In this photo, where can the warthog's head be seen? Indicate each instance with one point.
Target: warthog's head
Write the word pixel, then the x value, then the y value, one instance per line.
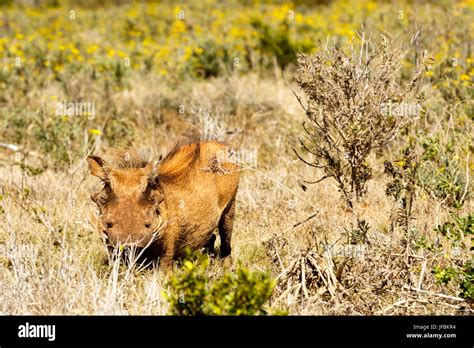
pixel 128 203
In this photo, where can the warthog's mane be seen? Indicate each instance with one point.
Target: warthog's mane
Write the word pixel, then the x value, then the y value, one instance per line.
pixel 129 160
pixel 179 161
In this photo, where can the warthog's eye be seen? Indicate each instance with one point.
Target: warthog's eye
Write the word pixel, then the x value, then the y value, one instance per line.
pixel 147 225
pixel 151 185
pixel 109 224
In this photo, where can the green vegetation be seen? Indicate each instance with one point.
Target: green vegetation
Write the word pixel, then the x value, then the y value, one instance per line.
pixel 192 292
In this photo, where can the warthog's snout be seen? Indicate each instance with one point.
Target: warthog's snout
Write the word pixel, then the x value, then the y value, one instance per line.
pixel 129 240
pixel 134 254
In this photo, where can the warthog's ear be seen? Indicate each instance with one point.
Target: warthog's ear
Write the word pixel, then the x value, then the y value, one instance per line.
pixel 96 166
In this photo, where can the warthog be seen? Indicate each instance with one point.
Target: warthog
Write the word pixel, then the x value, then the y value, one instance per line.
pixel 170 205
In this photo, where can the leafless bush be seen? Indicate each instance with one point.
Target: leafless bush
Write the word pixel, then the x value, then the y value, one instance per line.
pixel 309 273
pixel 355 103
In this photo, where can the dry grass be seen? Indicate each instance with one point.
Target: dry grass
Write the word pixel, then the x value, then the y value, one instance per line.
pixel 55 263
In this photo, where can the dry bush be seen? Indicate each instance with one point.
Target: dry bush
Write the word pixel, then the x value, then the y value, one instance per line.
pixel 309 273
pixel 348 94
pixel 349 113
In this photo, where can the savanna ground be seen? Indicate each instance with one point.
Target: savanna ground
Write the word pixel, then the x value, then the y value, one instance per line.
pixel 155 73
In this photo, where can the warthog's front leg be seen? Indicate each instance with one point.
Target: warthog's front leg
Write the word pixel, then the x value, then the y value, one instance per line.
pixel 166 259
pixel 166 262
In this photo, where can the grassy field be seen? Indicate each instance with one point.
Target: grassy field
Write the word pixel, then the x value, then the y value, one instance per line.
pixel 77 79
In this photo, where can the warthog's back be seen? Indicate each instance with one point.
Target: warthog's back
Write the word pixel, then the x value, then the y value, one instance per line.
pixel 199 183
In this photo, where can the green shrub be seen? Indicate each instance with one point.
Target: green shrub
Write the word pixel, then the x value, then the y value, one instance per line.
pixel 467 278
pixel 441 172
pixel 463 276
pixel 451 78
pixel 276 42
pixel 187 295
pixel 191 292
pixel 209 60
pixel 458 228
pixel 241 293
pixel 444 275
pixel 424 243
